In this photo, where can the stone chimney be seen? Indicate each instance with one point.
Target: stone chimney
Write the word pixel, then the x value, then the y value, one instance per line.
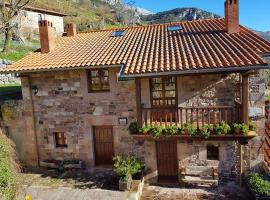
pixel 232 16
pixel 47 37
pixel 71 30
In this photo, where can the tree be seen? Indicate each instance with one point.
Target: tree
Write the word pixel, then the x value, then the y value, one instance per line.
pixel 9 10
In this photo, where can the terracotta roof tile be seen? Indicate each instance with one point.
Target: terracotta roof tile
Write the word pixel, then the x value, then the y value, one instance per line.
pixel 202 44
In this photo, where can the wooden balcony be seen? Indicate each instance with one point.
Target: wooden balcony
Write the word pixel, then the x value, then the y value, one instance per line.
pixel 198 116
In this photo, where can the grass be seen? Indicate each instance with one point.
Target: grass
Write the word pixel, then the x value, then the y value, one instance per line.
pixel 18 50
pixel 10 88
pixel 8 169
pixel 87 12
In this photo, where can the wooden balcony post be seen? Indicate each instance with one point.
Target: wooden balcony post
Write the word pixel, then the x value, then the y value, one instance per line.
pixel 245 97
pixel 138 101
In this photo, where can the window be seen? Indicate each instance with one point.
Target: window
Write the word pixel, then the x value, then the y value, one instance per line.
pixel 212 152
pixel 163 91
pixel 98 80
pixel 60 139
pixel 175 28
pixel 118 33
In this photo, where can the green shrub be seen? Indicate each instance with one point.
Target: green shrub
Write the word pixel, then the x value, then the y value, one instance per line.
pixel 127 165
pixel 258 184
pixel 7 169
pixel 133 128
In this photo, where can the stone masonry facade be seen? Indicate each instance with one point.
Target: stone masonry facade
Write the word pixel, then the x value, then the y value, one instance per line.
pixel 63 104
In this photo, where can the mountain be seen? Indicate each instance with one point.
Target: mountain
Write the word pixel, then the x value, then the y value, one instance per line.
pixel 187 14
pixel 129 5
pixel 178 14
pixel 265 35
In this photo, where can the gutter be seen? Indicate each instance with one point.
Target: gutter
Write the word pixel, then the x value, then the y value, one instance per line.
pixel 194 71
pixel 57 69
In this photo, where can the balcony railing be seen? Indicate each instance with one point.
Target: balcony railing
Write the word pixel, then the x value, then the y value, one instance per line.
pixel 198 116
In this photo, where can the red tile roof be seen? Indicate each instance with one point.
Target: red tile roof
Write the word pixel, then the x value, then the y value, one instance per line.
pixel 202 44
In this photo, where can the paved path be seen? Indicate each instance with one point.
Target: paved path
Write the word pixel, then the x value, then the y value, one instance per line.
pixel 226 192
pixel 46 193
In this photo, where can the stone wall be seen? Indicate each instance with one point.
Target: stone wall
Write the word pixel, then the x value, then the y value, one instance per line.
pixel 63 104
pixel 28 24
pixel 221 90
pixel 8 78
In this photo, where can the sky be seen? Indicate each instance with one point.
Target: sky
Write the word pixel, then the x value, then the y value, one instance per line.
pixel 253 13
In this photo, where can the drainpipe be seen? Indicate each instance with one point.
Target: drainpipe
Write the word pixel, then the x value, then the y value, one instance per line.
pixel 241 164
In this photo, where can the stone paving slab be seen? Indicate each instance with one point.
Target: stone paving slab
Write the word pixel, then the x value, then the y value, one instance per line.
pixel 47 193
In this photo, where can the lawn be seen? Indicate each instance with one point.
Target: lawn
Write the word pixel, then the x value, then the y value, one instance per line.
pixel 10 88
pixel 18 50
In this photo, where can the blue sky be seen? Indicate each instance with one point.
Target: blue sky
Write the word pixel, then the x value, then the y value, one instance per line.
pixel 253 13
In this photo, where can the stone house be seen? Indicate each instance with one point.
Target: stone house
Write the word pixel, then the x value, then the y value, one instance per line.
pixel 27 21
pixel 81 92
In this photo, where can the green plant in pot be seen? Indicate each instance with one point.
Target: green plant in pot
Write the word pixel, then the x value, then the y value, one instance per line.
pixel 252 126
pixel 241 129
pixel 171 130
pixel 126 166
pixel 145 129
pixel 156 131
pixel 205 131
pixel 133 128
pixel 222 128
pixel 237 128
pixel 192 130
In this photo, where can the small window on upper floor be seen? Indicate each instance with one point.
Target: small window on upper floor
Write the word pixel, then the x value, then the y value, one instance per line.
pixel 212 152
pixel 98 80
pixel 119 33
pixel 175 28
pixel 60 139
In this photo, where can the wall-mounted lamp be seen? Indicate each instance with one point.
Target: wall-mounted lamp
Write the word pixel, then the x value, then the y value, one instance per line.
pixel 35 89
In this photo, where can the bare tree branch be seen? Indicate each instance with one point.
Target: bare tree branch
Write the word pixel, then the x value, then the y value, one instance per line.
pixel 9 10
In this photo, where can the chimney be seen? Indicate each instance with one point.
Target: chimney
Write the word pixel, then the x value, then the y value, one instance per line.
pixel 232 16
pixel 47 37
pixel 71 30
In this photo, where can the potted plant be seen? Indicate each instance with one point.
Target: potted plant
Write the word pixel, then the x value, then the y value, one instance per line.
pixel 126 166
pixel 259 186
pixel 237 129
pixel 133 128
pixel 222 128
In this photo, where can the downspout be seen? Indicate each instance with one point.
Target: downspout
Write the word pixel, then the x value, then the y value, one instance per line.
pixel 241 164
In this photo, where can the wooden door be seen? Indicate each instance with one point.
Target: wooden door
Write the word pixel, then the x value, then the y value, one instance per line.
pixel 167 161
pixel 103 143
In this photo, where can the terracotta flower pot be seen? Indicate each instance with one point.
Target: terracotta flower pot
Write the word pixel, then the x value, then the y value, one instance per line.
pixel 124 184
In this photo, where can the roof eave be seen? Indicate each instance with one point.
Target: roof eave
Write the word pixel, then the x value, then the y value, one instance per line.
pixel 197 71
pixel 56 69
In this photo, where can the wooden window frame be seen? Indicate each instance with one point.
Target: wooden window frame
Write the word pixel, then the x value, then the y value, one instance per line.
pixel 58 140
pixel 89 81
pixel 163 92
pixel 212 156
